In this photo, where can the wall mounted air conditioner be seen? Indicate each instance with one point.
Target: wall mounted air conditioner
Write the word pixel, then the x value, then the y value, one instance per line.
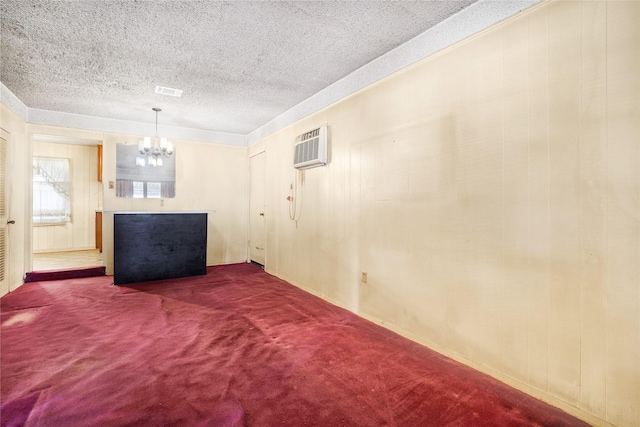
pixel 311 149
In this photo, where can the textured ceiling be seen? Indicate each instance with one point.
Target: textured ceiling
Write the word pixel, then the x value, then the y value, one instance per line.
pixel 239 63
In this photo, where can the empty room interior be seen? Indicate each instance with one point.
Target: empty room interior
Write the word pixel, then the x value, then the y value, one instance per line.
pixel 367 194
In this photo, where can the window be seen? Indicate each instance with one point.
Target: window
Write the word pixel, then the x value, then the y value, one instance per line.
pixel 138 190
pixel 51 191
pixel 154 190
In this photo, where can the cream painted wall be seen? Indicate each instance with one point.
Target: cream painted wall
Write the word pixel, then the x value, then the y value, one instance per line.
pixel 209 177
pixel 492 194
pixel 86 198
pixel 18 201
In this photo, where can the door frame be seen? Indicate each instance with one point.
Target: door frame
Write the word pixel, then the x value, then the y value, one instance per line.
pixel 250 194
pixel 5 282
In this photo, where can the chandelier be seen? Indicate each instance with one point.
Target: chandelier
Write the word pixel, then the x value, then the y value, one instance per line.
pixel 154 148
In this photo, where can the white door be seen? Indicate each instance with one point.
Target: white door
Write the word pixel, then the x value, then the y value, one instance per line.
pixel 257 224
pixel 4 238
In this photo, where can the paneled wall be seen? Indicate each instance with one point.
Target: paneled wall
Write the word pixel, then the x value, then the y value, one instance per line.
pixel 492 194
pixel 86 198
pixel 209 177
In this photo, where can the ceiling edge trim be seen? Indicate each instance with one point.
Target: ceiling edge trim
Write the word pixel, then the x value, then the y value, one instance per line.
pixel 79 121
pixel 468 21
pixel 9 100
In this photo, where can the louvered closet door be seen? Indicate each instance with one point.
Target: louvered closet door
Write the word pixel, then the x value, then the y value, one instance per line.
pixel 4 250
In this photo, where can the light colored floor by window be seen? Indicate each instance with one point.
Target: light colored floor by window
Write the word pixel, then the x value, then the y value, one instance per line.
pixel 65 260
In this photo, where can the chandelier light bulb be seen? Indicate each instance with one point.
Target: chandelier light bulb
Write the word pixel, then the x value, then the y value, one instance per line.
pixel 160 147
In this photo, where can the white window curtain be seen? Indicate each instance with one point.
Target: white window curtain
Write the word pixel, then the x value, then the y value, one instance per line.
pixel 51 191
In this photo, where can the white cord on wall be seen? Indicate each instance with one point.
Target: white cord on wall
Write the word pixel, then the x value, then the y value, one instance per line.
pixel 295 197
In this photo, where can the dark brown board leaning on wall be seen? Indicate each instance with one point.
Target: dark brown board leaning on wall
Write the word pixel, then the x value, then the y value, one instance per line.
pixel 158 246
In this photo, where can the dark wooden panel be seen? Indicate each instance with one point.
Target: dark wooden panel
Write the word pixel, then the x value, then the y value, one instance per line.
pixel 99 230
pixel 99 162
pixel 159 246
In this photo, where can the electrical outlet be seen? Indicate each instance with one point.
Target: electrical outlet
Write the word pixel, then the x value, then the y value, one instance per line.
pixel 161 202
pixel 364 277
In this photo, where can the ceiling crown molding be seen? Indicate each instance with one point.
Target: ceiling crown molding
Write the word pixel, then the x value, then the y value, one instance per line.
pixel 9 100
pixel 78 121
pixel 469 21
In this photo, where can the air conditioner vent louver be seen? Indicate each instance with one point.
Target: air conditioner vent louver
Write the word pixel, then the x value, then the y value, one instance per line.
pixel 311 149
pixel 168 91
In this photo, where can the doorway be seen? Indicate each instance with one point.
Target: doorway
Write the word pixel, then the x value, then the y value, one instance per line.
pixel 67 201
pixel 257 214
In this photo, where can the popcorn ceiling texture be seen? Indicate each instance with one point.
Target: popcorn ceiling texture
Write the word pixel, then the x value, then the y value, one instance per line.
pixel 240 64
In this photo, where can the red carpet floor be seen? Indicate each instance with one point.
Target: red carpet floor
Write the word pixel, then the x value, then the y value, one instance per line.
pixel 237 347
